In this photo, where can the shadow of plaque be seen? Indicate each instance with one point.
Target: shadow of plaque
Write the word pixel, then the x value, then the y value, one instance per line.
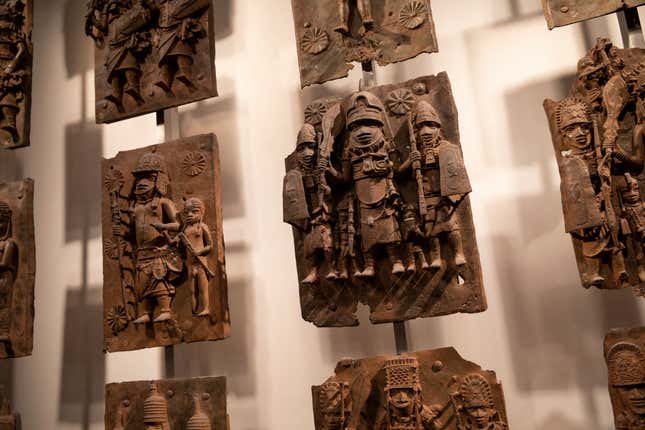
pixel 164 268
pixel 151 56
pixel 377 195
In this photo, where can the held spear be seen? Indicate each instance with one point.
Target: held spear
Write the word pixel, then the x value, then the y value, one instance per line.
pixel 416 167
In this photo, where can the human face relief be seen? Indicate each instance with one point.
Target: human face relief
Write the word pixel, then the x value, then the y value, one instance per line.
pixel 429 133
pixel 145 183
pixel 480 415
pixel 193 214
pixel 306 154
pixel 401 404
pixel 633 397
pixel 365 132
pixel 577 136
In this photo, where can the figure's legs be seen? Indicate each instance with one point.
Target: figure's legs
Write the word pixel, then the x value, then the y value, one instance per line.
pixel 411 254
pixel 457 247
pixel 343 17
pixel 329 258
pixel 312 277
pixel 435 253
pixel 185 70
pixel 146 307
pixel 8 122
pixel 132 85
pixel 368 271
pixel 421 256
pixel 618 266
pixel 593 273
pixel 165 311
pixel 365 11
pixel 116 96
pixel 395 259
pixel 204 296
pixel 165 77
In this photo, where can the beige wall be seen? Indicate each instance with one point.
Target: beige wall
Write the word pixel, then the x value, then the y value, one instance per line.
pixel 542 333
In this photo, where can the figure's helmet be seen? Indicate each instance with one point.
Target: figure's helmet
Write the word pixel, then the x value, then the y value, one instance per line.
pixel 155 408
pixel 425 112
pixel 199 421
pixel 625 363
pixel 572 111
pixel 587 66
pixel 402 373
pixel 307 134
pixel 476 392
pixel 150 162
pixel 364 106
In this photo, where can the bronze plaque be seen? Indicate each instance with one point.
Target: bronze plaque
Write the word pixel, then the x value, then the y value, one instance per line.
pixel 8 419
pixel 624 353
pixel 598 134
pixel 151 55
pixel 388 220
pixel 163 262
pixel 17 268
pixel 332 34
pixel 198 404
pixel 559 13
pixel 425 390
pixel 16 59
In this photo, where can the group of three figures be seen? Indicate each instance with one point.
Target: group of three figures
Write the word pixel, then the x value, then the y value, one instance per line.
pixel 599 137
pixel 131 29
pixel 370 207
pixel 146 227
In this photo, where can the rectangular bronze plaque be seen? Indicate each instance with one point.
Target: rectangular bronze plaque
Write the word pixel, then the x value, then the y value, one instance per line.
pixel 331 34
pixel 198 404
pixel 17 268
pixel 151 55
pixel 377 194
pixel 425 390
pixel 559 13
pixel 163 265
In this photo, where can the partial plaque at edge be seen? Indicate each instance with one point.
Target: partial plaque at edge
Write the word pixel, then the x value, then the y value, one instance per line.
pixel 332 34
pixel 151 56
pixel 559 13
pixel 192 404
pixel 164 267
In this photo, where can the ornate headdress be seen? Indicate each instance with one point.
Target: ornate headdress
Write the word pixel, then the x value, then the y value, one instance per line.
pixel 476 392
pixel 155 407
pixel 625 365
pixel 199 420
pixel 402 372
pixel 572 111
pixel 425 112
pixel 365 106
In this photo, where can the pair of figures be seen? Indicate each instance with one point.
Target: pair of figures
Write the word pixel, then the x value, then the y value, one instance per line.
pixel 371 205
pixel 146 226
pixel 600 166
pixel 133 28
pixel 471 406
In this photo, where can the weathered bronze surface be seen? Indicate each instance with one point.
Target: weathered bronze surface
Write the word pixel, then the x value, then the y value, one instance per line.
pixel 426 390
pixel 163 261
pixel 330 34
pixel 151 55
pixel 559 13
pixel 16 59
pixel 8 419
pixel 377 194
pixel 191 404
pixel 624 353
pixel 17 268
pixel 599 139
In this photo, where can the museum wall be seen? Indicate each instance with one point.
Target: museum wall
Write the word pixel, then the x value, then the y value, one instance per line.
pixel 542 333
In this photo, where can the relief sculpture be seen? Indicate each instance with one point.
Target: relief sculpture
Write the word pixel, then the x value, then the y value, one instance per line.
pixel 9 420
pixel 17 268
pixel 377 195
pixel 332 34
pixel 191 404
pixel 624 350
pixel 165 279
pixel 599 141
pixel 428 390
pixel 150 55
pixel 559 13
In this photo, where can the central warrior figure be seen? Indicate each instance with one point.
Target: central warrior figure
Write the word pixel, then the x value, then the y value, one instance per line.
pixel 367 166
pixel 151 216
pixel 344 11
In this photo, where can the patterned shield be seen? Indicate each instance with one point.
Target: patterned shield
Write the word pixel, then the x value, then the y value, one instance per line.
pixel 581 210
pixel 294 200
pixel 454 177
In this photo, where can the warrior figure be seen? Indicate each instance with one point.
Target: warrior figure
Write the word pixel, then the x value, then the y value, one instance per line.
pixel 634 215
pixel 179 32
pixel 8 270
pixel 124 24
pixel 151 216
pixel 196 238
pixel 14 49
pixel 478 407
pixel 404 409
pixel 155 411
pixel 627 385
pixel 364 8
pixel 335 405
pixel 313 198
pixel 445 183
pixel 367 167
pixel 586 207
pixel 413 238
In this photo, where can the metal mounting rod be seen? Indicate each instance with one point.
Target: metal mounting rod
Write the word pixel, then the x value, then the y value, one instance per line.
pixel 631 28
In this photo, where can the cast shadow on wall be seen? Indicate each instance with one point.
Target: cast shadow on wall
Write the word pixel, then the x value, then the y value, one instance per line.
pixel 83 364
